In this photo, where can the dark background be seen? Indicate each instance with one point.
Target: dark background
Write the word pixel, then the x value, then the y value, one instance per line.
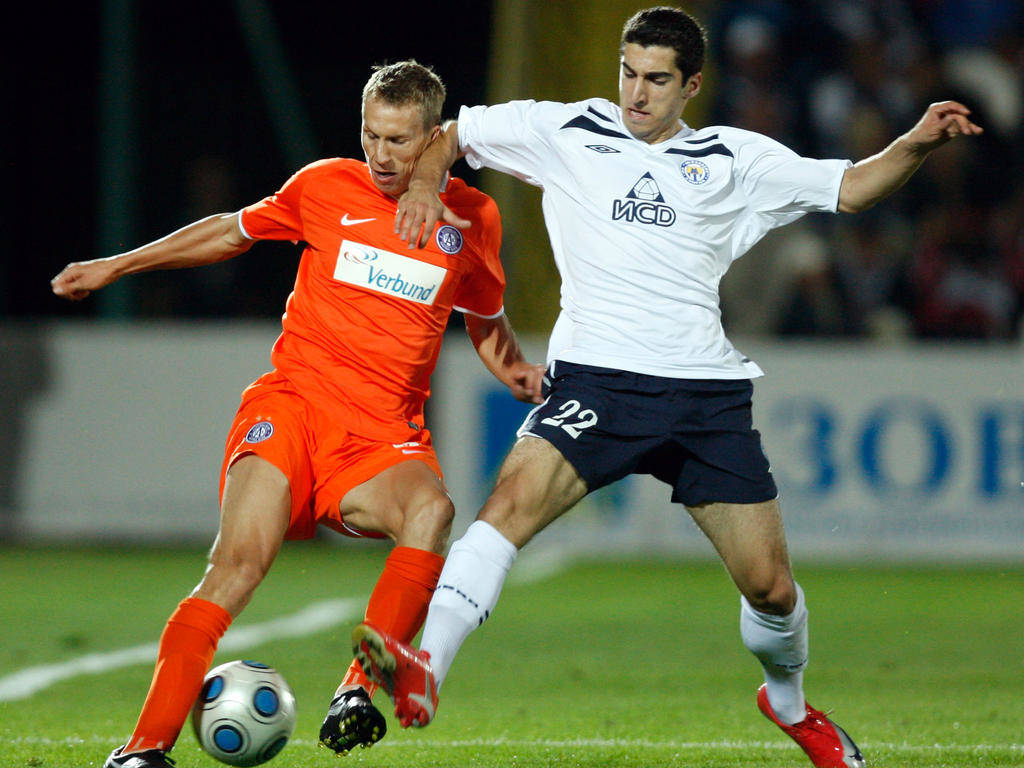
pixel 942 259
pixel 206 142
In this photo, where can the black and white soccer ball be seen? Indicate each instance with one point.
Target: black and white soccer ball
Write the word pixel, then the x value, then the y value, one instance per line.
pixel 245 713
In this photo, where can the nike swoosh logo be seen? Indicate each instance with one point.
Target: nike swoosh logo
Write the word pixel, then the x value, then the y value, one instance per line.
pixel 406 451
pixel 347 222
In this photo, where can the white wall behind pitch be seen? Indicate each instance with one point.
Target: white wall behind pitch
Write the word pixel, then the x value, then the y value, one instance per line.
pixel 914 451
pixel 126 438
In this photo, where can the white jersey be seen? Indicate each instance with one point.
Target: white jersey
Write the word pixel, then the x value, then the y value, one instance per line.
pixel 642 233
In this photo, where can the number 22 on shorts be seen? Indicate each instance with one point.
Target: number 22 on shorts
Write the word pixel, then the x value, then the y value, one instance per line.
pixel 570 409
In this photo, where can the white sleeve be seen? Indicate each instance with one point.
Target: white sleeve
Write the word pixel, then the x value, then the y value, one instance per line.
pixel 513 138
pixel 779 181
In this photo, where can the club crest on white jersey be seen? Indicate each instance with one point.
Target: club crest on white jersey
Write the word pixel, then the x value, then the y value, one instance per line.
pixel 695 172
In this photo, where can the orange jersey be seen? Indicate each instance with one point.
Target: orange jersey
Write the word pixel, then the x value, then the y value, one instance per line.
pixel 362 328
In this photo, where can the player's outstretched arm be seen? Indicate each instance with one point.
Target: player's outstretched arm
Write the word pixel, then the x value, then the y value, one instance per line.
pixel 876 177
pixel 206 241
pixel 498 348
pixel 420 208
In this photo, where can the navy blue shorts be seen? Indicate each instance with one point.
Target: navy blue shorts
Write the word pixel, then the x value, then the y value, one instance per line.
pixel 695 435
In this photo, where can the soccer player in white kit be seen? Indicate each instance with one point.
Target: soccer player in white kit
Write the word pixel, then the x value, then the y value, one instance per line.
pixel 645 215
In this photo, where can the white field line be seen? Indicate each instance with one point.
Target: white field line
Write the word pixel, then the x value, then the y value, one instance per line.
pixel 313 618
pixel 685 745
pixel 638 744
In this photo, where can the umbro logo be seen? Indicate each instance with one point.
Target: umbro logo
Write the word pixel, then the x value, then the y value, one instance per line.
pixel 347 222
pixel 603 149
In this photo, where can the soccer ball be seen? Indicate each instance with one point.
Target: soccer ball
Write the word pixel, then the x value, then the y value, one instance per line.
pixel 245 713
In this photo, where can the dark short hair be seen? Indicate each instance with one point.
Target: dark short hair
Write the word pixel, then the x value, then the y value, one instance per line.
pixel 408 82
pixel 672 28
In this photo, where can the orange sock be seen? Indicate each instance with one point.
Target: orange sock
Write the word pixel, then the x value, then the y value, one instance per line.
pixel 399 602
pixel 186 650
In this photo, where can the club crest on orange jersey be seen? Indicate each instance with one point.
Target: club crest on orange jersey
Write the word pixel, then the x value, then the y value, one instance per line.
pixel 259 432
pixel 449 239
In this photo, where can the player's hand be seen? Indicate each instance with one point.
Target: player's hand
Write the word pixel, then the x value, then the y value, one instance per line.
pixel 941 122
pixel 419 210
pixel 526 383
pixel 79 279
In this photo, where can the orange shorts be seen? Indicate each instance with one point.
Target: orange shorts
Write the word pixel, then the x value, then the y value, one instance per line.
pixel 321 460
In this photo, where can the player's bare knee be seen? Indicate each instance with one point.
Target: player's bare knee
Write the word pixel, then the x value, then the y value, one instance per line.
pixel 505 511
pixel 230 583
pixel 239 574
pixel 771 593
pixel 428 522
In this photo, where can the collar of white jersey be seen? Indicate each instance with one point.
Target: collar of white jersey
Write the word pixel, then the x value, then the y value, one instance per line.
pixel 684 132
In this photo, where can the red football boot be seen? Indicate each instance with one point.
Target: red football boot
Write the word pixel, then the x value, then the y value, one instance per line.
pixel 828 745
pixel 401 670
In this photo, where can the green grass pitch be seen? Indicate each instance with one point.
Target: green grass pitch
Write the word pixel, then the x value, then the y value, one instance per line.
pixel 623 663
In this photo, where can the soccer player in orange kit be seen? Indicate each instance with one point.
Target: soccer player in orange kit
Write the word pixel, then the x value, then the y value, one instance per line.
pixel 335 434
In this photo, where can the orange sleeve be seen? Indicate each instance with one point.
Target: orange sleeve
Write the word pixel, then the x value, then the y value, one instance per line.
pixel 482 292
pixel 279 216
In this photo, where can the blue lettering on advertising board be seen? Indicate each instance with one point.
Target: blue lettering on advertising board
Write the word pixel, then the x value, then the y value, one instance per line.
pixel 815 422
pixel 819 437
pixel 999 426
pixel 917 414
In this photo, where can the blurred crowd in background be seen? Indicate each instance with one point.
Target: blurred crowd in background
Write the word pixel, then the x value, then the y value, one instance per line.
pixel 944 257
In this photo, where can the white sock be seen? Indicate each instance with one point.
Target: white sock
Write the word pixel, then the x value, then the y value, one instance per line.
pixel 466 593
pixel 780 643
